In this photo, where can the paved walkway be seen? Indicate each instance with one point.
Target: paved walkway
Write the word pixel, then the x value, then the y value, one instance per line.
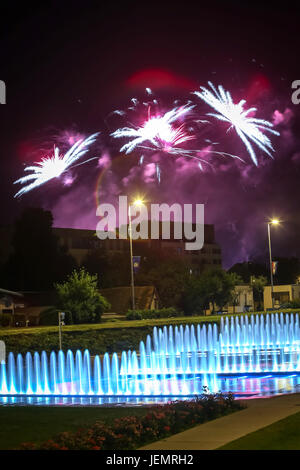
pixel 213 434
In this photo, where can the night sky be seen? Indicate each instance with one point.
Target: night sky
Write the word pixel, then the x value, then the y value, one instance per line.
pixel 67 66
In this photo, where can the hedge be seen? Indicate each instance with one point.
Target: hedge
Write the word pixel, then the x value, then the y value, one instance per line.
pixel 158 313
pixel 5 319
pixel 97 341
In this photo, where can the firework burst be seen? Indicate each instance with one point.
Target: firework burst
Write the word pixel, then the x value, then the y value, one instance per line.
pixel 165 132
pixel 159 132
pixel 247 127
pixel 54 166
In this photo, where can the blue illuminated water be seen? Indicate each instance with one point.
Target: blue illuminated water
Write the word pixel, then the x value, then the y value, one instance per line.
pixel 241 355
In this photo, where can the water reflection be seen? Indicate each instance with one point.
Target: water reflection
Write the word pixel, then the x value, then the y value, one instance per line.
pixel 243 387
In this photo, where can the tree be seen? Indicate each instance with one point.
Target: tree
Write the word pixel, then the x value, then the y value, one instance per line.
pixel 37 259
pixel 288 270
pixel 97 263
pixel 169 276
pixel 258 284
pixel 249 268
pixel 112 269
pixel 236 280
pixel 213 286
pixel 198 294
pixel 223 294
pixel 80 297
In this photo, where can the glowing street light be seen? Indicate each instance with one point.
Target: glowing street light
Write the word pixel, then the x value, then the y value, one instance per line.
pixel 138 203
pixel 271 222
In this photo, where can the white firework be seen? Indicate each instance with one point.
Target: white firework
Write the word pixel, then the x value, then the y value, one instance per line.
pixel 156 130
pixel 54 166
pixel 247 127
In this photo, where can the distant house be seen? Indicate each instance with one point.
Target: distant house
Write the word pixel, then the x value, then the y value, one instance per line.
pixel 146 298
pixel 24 307
pixel 242 301
pixel 282 294
pixel 9 301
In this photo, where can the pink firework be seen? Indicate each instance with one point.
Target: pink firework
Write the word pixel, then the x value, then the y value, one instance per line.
pixel 166 132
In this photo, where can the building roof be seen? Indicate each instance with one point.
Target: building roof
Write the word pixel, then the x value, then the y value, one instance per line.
pixel 282 285
pixel 209 232
pixel 120 298
pixel 10 292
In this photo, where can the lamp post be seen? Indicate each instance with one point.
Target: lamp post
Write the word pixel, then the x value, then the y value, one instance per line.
pixel 272 222
pixel 136 202
pixel 61 317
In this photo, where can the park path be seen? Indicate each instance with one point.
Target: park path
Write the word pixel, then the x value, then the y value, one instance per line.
pixel 259 413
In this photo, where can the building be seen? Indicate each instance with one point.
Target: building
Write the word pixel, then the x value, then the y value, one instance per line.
pixel 79 243
pixel 10 301
pixel 146 298
pixel 243 300
pixel 282 295
pixel 24 308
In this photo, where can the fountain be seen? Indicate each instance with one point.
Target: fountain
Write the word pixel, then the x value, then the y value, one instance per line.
pixel 177 361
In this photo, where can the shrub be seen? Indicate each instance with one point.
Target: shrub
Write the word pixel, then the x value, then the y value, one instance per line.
pixel 33 320
pixel 134 315
pixel 158 313
pixel 293 304
pixel 49 317
pixel 5 319
pixel 80 296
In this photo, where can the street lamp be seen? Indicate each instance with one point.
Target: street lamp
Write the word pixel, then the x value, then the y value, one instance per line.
pixel 137 203
pixel 272 222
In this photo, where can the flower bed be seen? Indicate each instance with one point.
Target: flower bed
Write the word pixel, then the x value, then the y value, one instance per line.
pixel 131 432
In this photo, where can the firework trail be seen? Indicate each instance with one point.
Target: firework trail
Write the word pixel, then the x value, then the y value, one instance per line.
pixel 54 166
pixel 247 127
pixel 158 173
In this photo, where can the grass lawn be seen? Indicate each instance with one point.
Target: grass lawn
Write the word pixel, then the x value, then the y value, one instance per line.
pixel 282 435
pixel 118 322
pixel 37 424
pixel 111 335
